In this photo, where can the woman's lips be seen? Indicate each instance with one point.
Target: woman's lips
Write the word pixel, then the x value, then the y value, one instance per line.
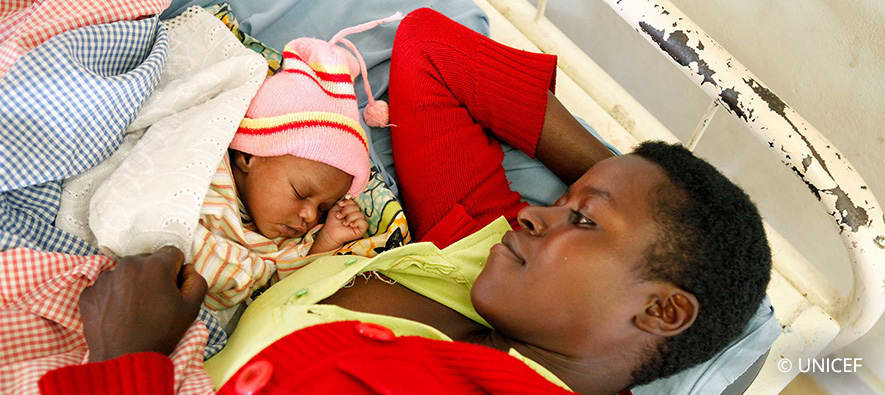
pixel 510 247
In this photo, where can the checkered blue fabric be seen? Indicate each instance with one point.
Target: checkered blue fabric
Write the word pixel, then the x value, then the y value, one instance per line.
pixel 27 218
pixel 65 104
pixel 63 109
pixel 217 336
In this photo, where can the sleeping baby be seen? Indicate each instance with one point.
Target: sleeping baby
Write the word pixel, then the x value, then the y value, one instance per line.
pixel 281 196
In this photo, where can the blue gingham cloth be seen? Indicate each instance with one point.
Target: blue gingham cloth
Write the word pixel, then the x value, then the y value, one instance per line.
pixel 63 109
pixel 65 104
pixel 27 216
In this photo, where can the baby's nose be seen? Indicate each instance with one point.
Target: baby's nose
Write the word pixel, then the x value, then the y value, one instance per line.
pixel 309 213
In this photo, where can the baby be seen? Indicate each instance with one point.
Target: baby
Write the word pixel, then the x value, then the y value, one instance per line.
pixel 296 160
pixel 287 196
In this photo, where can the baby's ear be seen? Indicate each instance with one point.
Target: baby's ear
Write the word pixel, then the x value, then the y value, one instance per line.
pixel 241 160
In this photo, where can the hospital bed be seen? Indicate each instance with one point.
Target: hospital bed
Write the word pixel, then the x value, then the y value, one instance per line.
pixel 816 320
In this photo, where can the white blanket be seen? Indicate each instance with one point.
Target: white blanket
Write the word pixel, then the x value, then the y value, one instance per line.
pixel 149 193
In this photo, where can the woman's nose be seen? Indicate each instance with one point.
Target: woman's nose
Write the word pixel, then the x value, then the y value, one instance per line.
pixel 538 219
pixel 531 219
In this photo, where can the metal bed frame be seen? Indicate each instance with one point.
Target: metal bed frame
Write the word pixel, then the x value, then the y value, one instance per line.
pixel 816 319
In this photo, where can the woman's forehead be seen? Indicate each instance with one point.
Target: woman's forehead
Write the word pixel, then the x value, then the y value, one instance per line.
pixel 623 181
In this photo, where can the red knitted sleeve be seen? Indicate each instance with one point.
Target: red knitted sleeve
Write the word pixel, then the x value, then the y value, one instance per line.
pixel 449 87
pixel 145 373
pixel 504 89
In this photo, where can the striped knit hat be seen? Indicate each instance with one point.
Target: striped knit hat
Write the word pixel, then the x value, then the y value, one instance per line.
pixel 309 109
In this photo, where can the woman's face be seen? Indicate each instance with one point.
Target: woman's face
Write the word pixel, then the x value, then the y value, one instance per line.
pixel 566 279
pixel 287 195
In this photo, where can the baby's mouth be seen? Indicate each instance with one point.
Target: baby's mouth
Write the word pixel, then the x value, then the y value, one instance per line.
pixel 289 231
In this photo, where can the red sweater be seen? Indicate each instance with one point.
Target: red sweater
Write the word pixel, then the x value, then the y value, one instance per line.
pixel 341 357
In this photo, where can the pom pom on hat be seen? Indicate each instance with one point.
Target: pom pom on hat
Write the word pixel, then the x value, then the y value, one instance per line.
pixel 377 114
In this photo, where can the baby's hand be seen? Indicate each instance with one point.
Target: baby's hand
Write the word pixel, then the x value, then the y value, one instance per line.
pixel 344 222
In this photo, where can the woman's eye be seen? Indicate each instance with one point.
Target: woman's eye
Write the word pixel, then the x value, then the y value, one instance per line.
pixel 580 219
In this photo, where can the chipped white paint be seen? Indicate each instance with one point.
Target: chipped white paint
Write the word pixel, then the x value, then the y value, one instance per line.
pixel 828 175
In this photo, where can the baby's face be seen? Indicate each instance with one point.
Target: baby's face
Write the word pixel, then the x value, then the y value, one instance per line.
pixel 287 195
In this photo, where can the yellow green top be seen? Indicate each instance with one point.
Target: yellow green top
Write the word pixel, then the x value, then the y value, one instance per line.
pixel 445 276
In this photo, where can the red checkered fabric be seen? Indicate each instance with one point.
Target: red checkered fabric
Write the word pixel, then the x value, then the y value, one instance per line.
pixel 24 24
pixel 41 329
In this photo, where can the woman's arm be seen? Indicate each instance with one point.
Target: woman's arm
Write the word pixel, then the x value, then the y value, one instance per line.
pixel 565 147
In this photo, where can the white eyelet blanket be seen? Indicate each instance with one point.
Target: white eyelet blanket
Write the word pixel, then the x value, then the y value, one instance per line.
pixel 149 193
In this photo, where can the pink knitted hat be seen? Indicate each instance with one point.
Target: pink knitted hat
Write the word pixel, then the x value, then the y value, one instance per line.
pixel 309 109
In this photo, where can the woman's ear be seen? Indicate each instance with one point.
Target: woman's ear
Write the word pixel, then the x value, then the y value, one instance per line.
pixel 668 312
pixel 241 160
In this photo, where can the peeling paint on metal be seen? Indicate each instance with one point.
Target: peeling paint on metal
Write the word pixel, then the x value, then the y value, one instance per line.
pixel 777 105
pixel 811 187
pixel 774 103
pixel 676 45
pixel 852 216
pixel 806 161
pixel 730 98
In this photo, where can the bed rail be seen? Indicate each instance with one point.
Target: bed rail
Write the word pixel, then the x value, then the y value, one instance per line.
pixel 807 298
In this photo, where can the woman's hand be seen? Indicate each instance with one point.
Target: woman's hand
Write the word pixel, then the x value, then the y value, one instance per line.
pixel 344 222
pixel 146 303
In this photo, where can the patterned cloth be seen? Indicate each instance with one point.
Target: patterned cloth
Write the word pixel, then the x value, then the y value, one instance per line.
pixel 25 24
pixel 387 221
pixel 237 261
pixel 63 109
pixel 26 220
pixel 66 103
pixel 217 336
pixel 40 325
pixel 274 58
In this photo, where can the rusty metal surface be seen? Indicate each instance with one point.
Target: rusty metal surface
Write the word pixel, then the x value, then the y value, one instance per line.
pixel 824 170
